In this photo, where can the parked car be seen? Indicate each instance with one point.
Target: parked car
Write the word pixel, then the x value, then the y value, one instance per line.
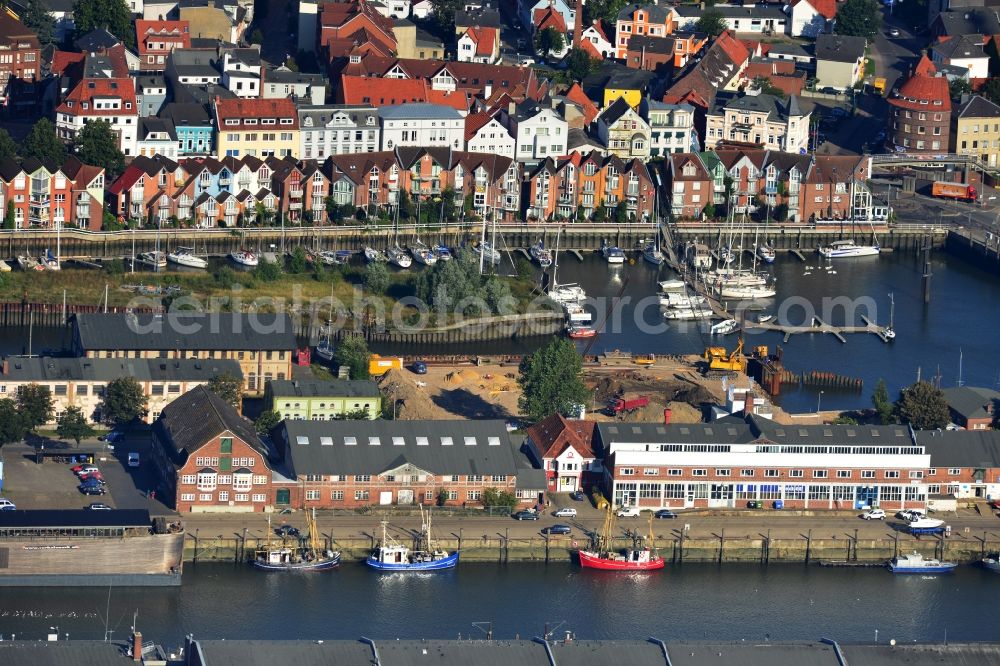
pixel 96 489
pixel 97 506
pixel 628 512
pixel 893 32
pixel 92 477
pixel 86 467
pixel 112 436
pixel 557 529
pixel 287 531
pixel 133 459
pixel 419 368
pixel 565 512
pixel 524 515
pixel 577 495
pixel 874 514
pixel 664 513
pixel 7 505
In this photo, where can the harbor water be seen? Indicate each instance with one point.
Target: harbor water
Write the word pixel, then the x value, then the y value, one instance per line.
pixel 755 603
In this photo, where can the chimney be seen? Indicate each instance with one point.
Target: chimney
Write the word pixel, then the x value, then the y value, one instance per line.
pixel 666 416
pixel 137 646
pixel 748 403
pixel 578 28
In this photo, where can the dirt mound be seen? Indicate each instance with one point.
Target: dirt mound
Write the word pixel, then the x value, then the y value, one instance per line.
pixel 454 378
pixel 692 394
pixel 411 401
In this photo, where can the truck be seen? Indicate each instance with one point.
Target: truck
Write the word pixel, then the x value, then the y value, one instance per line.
pixel 619 405
pixel 879 85
pixel 379 365
pixel 959 191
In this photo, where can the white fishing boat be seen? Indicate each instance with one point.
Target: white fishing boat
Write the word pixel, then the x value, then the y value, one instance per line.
pixel 746 292
pixel 244 257
pixel 676 300
pixel 398 257
pixel 612 253
pixel 423 254
pixel 372 255
pixel 576 314
pixel 725 327
pixel 667 286
pixel 28 263
pixel 488 253
pixel 688 313
pixel 49 261
pixel 844 249
pixel 185 256
pixel 155 259
pixel 541 254
pixel 567 293
pixel 765 253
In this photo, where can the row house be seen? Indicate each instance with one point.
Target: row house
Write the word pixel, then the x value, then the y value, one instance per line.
pixel 20 64
pixel 653 20
pixel 302 87
pixel 157 137
pixel 484 133
pixel 733 461
pixel 539 131
pixel 765 120
pixel 623 131
pixel 965 464
pixel 420 124
pixel 691 185
pixel 227 209
pixel 301 189
pixel 352 28
pixel 209 457
pixel 744 169
pixel 337 130
pixel 360 463
pixel 157 39
pixel 256 127
pixel 835 189
pixel 150 94
pixel 80 382
pixel 194 127
pixel 580 184
pixel 49 195
pixel 112 100
pixel 671 127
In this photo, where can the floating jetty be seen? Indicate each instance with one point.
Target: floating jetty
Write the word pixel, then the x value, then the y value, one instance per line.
pixel 844 564
pixel 820 326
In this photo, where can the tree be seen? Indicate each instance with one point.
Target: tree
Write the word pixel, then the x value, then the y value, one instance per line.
pixel 43 144
pixel 376 278
pixel 923 406
pixel 267 271
pixel 73 424
pixel 444 14
pixel 297 263
pixel 579 64
pixel 113 15
pixel 11 424
pixel 498 497
pixel 352 352
pixel 35 404
pixel 959 87
pixel 859 18
pixel 711 23
pixel 709 211
pixel 124 401
pixel 621 212
pixel 991 90
pixel 228 387
pixel 882 404
pixel 266 421
pixel 551 380
pixel 257 36
pixel 9 221
pixel 97 144
pixel 8 147
pixel 549 41
pixel 36 16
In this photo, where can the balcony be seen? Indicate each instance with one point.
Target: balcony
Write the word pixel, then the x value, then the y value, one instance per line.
pixel 225 182
pixel 295 205
pixel 295 193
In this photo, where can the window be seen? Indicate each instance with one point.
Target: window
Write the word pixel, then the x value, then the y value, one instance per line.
pixel 242 497
pixel 259 497
pixel 474 495
pixel 867 474
pixel 954 471
pixel 207 481
pixel 337 495
pixel 916 474
pixel 819 473
pixel 675 472
pixel 795 473
pixel 843 473
pixel 932 472
pixel 187 497
pixel 312 495
pixel 771 473
pixel 223 496
pixel 628 471
pixel 650 471
pixel 363 478
pixel 699 472
pixel 226 445
pixel 892 473
pixel 722 472
pixel 746 472
pixel 361 495
pixel 188 479
pixel 205 497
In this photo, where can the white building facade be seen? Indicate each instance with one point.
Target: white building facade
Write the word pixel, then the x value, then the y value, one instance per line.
pixel 337 130
pixel 424 125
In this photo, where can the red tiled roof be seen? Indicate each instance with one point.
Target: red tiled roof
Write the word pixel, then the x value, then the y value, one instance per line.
pixel 172 30
pixel 548 17
pixel 484 38
pixel 576 94
pixel 925 67
pixel 924 91
pixel 827 8
pixel 554 434
pixel 600 30
pixel 458 100
pixel 588 46
pixel 86 90
pixel 732 47
pixel 63 60
pixel 241 109
pixel 475 122
pixel 382 92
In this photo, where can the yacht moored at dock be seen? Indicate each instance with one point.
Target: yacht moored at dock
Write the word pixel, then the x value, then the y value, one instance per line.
pixel 185 256
pixel 244 257
pixel 915 563
pixel 303 555
pixel 391 555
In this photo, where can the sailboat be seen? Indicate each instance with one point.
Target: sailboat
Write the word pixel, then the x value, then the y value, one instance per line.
pixel 890 330
pixel 651 252
pixel 49 260
pixel 423 254
pixel 398 257
pixel 442 252
pixel 847 248
pixel 372 255
pixel 642 556
pixel 302 557
pixel 564 294
pixel 244 257
pixel 324 348
pixel 541 254
pixel 29 263
pixel 155 259
pixel 390 555
pixel 765 252
pixel 185 256
pixel 488 253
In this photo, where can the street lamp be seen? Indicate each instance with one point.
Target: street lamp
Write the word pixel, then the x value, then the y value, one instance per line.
pixel 819 401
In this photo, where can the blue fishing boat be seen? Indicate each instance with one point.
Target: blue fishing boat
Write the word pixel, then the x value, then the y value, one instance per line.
pixel 391 555
pixel 442 252
pixel 915 563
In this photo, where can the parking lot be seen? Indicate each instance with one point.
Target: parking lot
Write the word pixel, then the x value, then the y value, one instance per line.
pixel 52 485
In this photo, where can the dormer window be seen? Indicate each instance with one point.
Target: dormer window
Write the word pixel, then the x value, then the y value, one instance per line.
pixel 355 59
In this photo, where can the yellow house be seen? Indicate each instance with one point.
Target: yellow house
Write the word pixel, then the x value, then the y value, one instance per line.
pixel 631 95
pixel 257 127
pixel 618 81
pixel 976 130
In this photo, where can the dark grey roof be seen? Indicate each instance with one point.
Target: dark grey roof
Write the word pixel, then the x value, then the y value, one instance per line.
pixel 299 653
pixel 651 44
pixel 193 62
pixel 614 75
pixel 356 388
pixel 200 93
pixel 969 654
pixel 655 13
pixel 840 48
pixel 63 653
pixel 75 518
pixel 247 56
pixel 197 416
pixel 970 21
pixel 963 46
pixel 325 447
pixel 961 448
pixel 285 75
pixel 978 107
pixel 775 107
pixel 187 114
pixel 60 5
pixel 321 115
pixel 732 11
pixel 49 369
pixel 485 17
pixel 95 40
pixel 753 428
pixel 151 124
pixel 184 331
pixel 613 113
pixel 789 48
pixel 971 402
pixel 462 653
pixel 752 654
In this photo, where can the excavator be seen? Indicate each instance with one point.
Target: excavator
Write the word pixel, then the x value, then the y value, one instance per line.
pixel 724 364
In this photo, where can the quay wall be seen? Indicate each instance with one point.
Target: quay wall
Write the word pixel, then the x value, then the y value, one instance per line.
pixel 807 239
pixel 675 547
pixel 975 251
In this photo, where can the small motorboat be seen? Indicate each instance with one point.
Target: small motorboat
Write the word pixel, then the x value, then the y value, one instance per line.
pixel 567 293
pixel 338 258
pixel 688 313
pixel 578 332
pixel 442 252
pixel 155 259
pixel 29 263
pixel 576 313
pixel 725 327
pixel 4 266
pixel 653 254
pixel 842 249
pixel 889 333
pixel 915 563
pixel 541 254
pixel 423 254
pixel 185 256
pixel 244 257
pixel 764 318
pixel 612 253
pixel 671 285
pixel 921 525
pixel 991 562
pixel 372 255
pixel 765 253
pixel 398 257
pixel 49 261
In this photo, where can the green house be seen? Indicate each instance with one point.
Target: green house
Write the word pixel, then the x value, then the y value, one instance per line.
pixel 322 401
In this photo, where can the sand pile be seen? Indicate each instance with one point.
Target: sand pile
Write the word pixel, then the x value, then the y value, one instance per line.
pixel 413 402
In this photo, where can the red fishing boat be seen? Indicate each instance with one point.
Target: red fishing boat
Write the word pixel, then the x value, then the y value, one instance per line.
pixel 642 556
pixel 578 332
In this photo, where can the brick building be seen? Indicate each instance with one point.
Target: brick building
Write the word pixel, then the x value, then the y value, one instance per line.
pixel 351 464
pixel 20 65
pixel 47 195
pixel 157 39
pixel 966 463
pixel 568 451
pixel 209 457
pixel 972 407
pixel 919 119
